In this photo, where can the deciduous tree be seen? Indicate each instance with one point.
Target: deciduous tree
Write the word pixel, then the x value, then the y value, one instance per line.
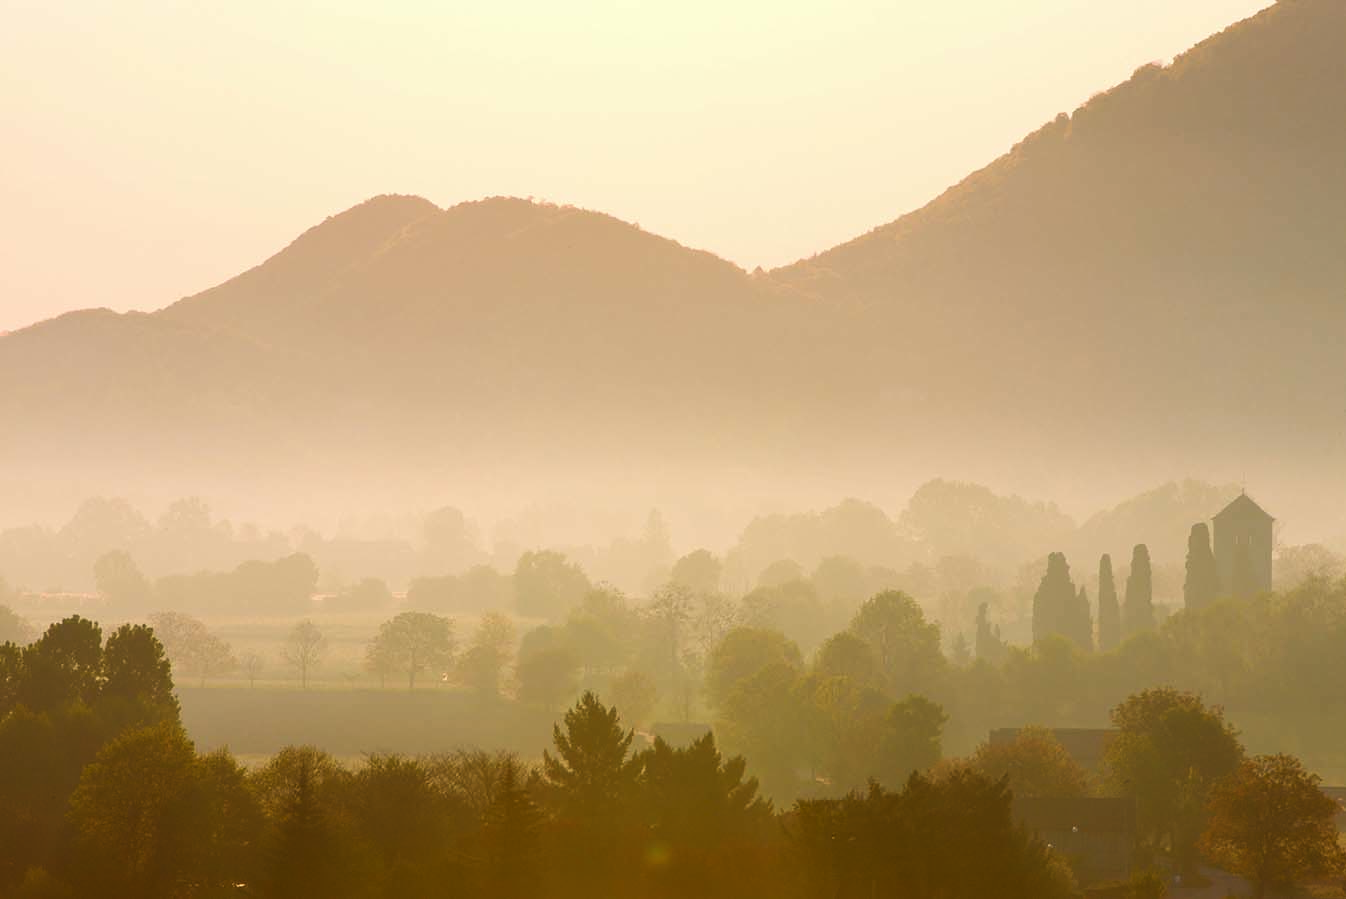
pixel 1271 823
pixel 414 642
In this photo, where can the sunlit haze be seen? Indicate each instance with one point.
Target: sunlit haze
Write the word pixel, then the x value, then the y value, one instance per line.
pixel 151 150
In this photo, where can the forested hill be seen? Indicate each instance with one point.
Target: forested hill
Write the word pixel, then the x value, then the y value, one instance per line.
pixel 1152 285
pixel 1170 249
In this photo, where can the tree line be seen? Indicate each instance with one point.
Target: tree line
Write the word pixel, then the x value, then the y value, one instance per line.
pixel 104 793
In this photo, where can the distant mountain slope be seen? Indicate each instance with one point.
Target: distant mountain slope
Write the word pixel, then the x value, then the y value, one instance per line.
pixel 1157 278
pixel 1151 287
pixel 1174 233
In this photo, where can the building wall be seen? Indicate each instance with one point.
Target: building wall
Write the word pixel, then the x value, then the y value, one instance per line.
pixel 1230 532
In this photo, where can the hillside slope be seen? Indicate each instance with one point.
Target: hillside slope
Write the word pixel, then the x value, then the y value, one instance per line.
pixel 1149 288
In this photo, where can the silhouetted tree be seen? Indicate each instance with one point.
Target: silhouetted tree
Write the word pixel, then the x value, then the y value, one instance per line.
pixel 846 655
pixel 547 677
pixel 1109 612
pixel 634 695
pixel 191 647
pixel 304 649
pixel 1169 752
pixel 1059 609
pixel 1202 584
pixel 1034 764
pixel 511 837
pixel 546 585
pixel 912 739
pixel 135 810
pixel 309 851
pixel 64 665
pixel 920 842
pixel 592 771
pixel 905 645
pixel 120 581
pixel 137 672
pixel 742 653
pixel 1138 610
pixel 413 642
pixel 483 664
pixel 1080 622
pixel 252 663
pixel 698 571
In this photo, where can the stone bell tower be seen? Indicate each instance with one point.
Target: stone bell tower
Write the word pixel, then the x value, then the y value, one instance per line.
pixel 1243 543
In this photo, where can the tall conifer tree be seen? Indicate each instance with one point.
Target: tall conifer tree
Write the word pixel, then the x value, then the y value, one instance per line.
pixel 1203 580
pixel 1138 609
pixel 1109 613
pixel 1053 604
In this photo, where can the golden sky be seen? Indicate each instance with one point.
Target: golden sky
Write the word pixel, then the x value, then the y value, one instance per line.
pixel 151 149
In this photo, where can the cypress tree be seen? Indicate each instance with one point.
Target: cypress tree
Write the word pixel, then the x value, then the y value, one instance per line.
pixel 1203 580
pixel 1138 609
pixel 1053 604
pixel 1081 626
pixel 1109 613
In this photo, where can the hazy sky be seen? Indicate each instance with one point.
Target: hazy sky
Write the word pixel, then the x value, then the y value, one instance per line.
pixel 149 150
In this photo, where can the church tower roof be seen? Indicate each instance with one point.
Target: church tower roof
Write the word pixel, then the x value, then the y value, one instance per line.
pixel 1243 507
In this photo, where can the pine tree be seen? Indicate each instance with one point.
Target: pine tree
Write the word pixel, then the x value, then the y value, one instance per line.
pixel 1203 580
pixel 306 856
pixel 1053 604
pixel 1109 614
pixel 1138 609
pixel 511 837
pixel 593 770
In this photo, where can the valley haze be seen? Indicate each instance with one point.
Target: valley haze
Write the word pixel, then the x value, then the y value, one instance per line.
pixel 1145 290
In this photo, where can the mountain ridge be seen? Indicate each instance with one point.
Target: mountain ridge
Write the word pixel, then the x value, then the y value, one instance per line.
pixel 1104 296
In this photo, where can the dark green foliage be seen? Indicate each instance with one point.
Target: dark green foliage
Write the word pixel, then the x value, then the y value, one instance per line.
pixel 592 771
pixel 1202 584
pixel 1058 609
pixel 1171 749
pixel 911 740
pixel 920 842
pixel 65 665
pixel 510 860
pixel 308 849
pixel 1138 609
pixel 1109 611
pixel 151 816
pixel 137 671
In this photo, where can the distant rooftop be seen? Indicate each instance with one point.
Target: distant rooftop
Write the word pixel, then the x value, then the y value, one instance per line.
pixel 1243 507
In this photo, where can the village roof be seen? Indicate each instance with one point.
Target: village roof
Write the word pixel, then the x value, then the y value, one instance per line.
pixel 1243 507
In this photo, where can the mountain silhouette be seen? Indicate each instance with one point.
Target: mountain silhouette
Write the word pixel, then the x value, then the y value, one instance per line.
pixel 1153 283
